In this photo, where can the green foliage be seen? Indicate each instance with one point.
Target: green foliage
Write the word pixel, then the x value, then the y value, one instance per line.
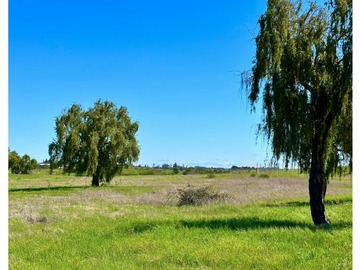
pixel 304 65
pixel 175 169
pixel 98 142
pixel 211 174
pixel 20 165
pixel 14 161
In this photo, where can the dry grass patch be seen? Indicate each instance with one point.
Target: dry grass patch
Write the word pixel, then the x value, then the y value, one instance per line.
pixel 43 206
pixel 29 215
pixel 197 195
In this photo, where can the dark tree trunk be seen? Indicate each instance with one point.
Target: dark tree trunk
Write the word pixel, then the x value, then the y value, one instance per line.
pixel 318 183
pixel 95 181
pixel 96 178
pixel 317 190
pixel 318 180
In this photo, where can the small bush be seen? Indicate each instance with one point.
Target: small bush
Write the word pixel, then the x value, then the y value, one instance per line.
pixel 191 195
pixel 211 175
pixel 175 170
pixel 264 175
pixel 253 175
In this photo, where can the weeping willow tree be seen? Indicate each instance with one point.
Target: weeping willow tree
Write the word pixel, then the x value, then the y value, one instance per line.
pixel 98 142
pixel 303 72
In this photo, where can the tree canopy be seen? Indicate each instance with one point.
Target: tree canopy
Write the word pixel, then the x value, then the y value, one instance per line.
pixel 20 165
pixel 98 142
pixel 303 71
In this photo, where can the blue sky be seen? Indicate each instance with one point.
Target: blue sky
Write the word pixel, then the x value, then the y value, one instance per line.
pixel 173 64
pixel 170 63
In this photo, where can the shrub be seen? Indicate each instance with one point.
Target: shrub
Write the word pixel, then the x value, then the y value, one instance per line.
pixel 175 170
pixel 20 165
pixel 264 175
pixel 192 195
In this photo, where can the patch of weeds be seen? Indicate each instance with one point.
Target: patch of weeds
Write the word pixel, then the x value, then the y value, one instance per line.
pixel 31 217
pixel 38 220
pixel 192 195
pixel 264 175
pixel 211 174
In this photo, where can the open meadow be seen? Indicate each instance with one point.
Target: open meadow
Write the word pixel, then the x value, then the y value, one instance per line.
pixel 262 221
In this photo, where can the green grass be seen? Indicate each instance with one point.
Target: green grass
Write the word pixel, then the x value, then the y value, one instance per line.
pixel 130 225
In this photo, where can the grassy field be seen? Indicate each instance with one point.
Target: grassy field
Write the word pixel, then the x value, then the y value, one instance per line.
pixel 60 222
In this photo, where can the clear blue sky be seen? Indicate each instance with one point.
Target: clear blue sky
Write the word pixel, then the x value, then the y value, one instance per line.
pixel 173 64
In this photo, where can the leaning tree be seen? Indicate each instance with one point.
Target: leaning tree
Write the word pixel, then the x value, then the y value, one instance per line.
pixel 98 142
pixel 303 71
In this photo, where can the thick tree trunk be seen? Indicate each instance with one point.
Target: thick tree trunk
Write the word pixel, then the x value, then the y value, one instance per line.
pixel 317 190
pixel 318 183
pixel 318 180
pixel 95 181
pixel 96 178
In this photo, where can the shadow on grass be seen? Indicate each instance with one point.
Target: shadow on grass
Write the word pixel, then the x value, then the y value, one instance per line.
pixel 32 189
pixel 243 224
pixel 234 224
pixel 256 223
pixel 125 189
pixel 307 204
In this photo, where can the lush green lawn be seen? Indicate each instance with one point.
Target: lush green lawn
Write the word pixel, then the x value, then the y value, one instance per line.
pixel 59 222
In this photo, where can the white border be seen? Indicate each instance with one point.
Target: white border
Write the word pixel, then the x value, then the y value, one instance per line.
pixel 4 136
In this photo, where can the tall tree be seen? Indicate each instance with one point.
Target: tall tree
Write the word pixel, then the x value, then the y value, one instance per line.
pixel 303 70
pixel 98 142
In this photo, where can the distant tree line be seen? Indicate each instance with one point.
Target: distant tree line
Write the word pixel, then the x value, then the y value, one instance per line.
pixel 182 169
pixel 20 165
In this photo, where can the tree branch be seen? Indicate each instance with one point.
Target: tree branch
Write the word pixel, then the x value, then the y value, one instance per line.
pixel 307 86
